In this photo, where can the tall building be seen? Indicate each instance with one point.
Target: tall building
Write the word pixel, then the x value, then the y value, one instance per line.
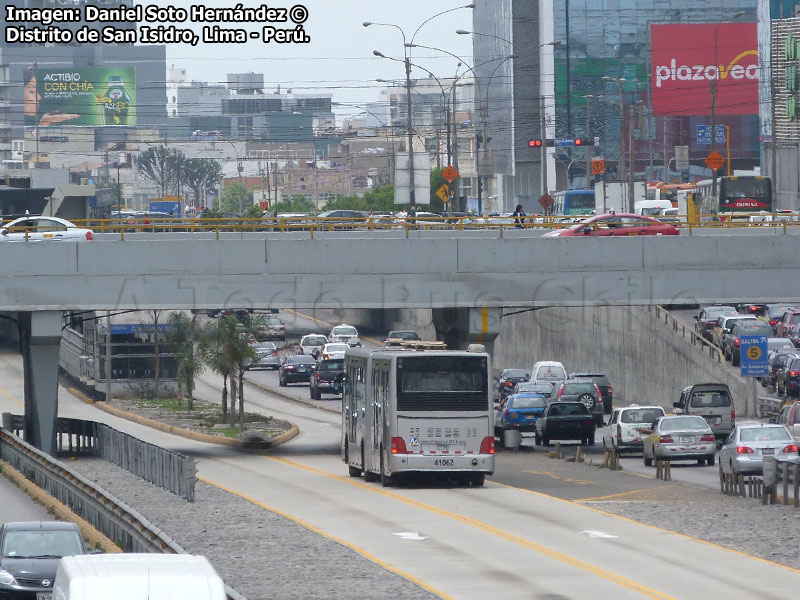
pixel 594 39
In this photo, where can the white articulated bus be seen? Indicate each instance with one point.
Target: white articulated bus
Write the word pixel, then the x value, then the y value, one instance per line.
pixel 417 410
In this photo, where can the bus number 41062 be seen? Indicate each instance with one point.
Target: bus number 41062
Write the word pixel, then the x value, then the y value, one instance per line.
pixel 444 462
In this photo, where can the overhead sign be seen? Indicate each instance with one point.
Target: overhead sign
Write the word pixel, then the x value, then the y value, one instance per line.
pixel 753 350
pixel 598 166
pixel 422 178
pixel 704 134
pixel 686 58
pixel 84 96
pixel 449 174
pixel 714 161
pixel 681 158
pixel 443 193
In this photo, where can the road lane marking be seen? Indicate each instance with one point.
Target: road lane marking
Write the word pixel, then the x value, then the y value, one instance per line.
pixel 5 393
pixel 345 543
pixel 600 498
pixel 490 529
pixel 567 479
pixel 656 527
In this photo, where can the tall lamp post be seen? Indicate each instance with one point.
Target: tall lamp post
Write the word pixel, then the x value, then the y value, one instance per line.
pixel 622 116
pixel 407 60
pixel 713 85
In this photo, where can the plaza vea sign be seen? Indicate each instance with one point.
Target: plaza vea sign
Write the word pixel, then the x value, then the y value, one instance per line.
pixel 688 58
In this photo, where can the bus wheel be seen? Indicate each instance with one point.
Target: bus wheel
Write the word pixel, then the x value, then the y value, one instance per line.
pixel 386 481
pixel 478 479
pixel 367 475
pixel 351 470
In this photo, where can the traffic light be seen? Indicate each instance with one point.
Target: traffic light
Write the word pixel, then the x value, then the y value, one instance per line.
pixel 535 143
pixel 584 142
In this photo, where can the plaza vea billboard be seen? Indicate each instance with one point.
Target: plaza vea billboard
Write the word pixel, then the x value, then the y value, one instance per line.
pixel 686 59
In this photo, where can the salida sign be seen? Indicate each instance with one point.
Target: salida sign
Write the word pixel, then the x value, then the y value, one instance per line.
pixel 687 58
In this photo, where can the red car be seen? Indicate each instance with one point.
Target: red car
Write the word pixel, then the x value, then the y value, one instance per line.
pixel 619 224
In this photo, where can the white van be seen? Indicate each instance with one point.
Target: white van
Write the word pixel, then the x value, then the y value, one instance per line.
pixel 137 577
pixel 650 208
pixel 548 371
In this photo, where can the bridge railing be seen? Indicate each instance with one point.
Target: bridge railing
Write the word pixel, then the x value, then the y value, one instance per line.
pixel 131 531
pixel 687 333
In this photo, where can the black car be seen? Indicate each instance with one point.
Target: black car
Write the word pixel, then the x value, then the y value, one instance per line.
pixel 296 369
pixel 507 380
pixel 603 384
pixel 565 421
pixel 745 328
pixel 29 553
pixel 324 377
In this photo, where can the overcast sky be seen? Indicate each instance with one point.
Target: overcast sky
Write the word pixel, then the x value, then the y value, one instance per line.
pixel 339 59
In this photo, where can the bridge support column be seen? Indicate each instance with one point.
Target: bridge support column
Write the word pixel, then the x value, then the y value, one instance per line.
pixel 459 327
pixel 41 338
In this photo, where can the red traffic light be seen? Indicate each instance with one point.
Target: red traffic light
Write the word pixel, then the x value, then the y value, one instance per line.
pixel 535 143
pixel 578 142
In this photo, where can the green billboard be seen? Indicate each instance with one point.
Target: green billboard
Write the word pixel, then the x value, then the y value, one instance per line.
pixel 90 96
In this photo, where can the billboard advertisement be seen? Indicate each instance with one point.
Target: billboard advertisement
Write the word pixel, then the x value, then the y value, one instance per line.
pixel 92 96
pixel 687 58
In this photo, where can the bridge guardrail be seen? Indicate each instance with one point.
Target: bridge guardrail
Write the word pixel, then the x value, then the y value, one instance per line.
pixel 769 407
pixel 131 531
pixel 169 470
pixel 687 333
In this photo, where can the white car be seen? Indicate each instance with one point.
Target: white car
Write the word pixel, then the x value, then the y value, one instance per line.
pixel 548 371
pixel 346 334
pixel 624 431
pixel 312 344
pixel 39 228
pixel 333 350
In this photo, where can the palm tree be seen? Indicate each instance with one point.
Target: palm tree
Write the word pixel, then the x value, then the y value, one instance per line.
pixel 212 349
pixel 181 337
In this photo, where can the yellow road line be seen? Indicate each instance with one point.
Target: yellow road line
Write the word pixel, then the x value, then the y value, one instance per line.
pixel 567 479
pixel 656 527
pixel 545 551
pixel 347 544
pixel 5 393
pixel 614 495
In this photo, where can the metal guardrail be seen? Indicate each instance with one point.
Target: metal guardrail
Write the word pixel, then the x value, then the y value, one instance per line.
pixel 131 531
pixel 769 407
pixel 691 334
pixel 781 472
pixel 169 470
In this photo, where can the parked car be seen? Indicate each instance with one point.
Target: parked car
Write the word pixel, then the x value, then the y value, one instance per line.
pixel 774 312
pixel 776 363
pixel 712 402
pixel 707 319
pixel 519 412
pixel 722 329
pixel 787 378
pixel 272 328
pixel 603 384
pixel 29 554
pixel 312 343
pixel 42 229
pixel 619 224
pixel 548 371
pixel 583 391
pixel 625 431
pixel 788 323
pixel 266 356
pixel 404 334
pixel 565 421
pixel 296 369
pixel 324 378
pixel 542 387
pixel 343 219
pixel 333 350
pixel 741 329
pixel 790 418
pixel 747 445
pixel 506 381
pixel 345 333
pixel 684 437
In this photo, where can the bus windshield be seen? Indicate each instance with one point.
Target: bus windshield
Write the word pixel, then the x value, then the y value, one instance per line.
pixel 442 383
pixel 745 194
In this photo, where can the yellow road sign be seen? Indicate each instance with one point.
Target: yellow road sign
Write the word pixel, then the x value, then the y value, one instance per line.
pixel 754 352
pixel 443 193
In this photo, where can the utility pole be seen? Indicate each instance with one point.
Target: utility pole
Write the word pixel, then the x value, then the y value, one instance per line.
pixel 543 157
pixel 588 137
pixel 666 151
pixel 631 159
pixel 412 191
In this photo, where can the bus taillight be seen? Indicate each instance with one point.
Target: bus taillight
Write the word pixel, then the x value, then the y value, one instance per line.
pixel 487 445
pixel 399 446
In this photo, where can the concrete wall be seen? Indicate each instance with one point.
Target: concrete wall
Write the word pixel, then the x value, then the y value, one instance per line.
pixel 646 361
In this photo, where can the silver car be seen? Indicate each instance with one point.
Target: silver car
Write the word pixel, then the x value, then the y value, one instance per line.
pixel 747 445
pixel 266 356
pixel 543 388
pixel 685 437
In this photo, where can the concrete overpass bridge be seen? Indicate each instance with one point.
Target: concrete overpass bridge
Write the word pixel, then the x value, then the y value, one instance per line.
pixel 465 276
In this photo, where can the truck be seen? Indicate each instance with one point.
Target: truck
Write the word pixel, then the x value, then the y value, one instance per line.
pixel 613 196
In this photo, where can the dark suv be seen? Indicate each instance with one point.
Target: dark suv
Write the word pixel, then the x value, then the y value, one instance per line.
pixel 584 391
pixel 603 384
pixel 788 378
pixel 29 553
pixel 324 378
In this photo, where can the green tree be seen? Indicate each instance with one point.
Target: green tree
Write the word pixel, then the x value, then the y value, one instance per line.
pixel 163 166
pixel 201 175
pixel 437 181
pixel 213 352
pixel 294 204
pixel 180 337
pixel 235 198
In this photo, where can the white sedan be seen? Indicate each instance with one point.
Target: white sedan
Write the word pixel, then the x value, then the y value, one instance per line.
pixel 333 350
pixel 41 228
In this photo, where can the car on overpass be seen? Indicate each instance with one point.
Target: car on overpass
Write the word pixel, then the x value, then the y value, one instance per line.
pixel 707 320
pixel 42 229
pixel 788 323
pixel 614 225
pixel 682 437
pixel 773 313
pixel 747 445
pixel 724 326
pixel 742 329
